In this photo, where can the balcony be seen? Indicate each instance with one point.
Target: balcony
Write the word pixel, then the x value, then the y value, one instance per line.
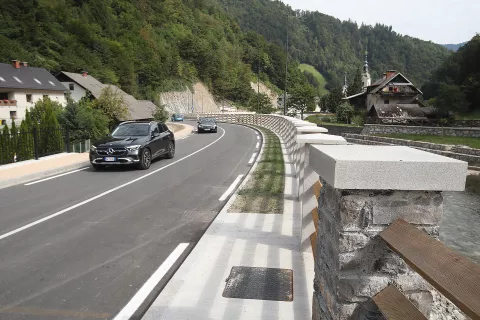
pixel 8 103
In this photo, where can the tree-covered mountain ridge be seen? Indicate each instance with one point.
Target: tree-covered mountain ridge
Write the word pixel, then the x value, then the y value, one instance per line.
pixel 333 46
pixel 143 46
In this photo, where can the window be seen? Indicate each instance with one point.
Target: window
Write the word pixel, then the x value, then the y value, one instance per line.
pixel 71 86
pixel 386 102
pixel 29 98
pixel 18 80
pixel 154 129
pixel 390 88
pixel 53 84
pixel 36 80
pixel 45 96
pixel 3 95
pixel 13 115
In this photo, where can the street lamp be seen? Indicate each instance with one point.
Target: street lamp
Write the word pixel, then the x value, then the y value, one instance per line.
pixel 286 75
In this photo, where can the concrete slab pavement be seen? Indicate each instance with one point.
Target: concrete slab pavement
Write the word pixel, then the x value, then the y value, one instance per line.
pixel 241 239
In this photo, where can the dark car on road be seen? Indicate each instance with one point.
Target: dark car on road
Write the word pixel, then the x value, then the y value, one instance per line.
pixel 134 143
pixel 207 125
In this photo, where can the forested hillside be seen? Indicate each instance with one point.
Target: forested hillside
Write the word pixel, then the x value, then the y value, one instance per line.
pixel 334 47
pixel 456 84
pixel 144 46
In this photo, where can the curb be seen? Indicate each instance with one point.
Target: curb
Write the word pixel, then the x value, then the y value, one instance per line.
pixel 42 174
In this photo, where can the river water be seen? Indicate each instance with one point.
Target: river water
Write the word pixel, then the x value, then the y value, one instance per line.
pixel 460 226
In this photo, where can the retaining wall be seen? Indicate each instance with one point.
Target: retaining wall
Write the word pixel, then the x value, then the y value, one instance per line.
pixel 362 191
pixel 371 129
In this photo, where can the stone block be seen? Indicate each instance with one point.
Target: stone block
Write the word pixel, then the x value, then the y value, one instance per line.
pixel 422 300
pixel 415 207
pixel 360 288
pixel 352 241
pixel 411 281
pixel 386 168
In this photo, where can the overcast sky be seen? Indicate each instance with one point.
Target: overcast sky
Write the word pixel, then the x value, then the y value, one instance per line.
pixel 441 21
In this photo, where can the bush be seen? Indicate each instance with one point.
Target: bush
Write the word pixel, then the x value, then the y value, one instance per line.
pixel 358 120
pixel 326 119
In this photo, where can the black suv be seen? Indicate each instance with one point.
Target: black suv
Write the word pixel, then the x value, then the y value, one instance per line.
pixel 134 142
pixel 207 125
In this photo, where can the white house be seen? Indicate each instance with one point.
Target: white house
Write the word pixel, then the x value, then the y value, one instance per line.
pixel 79 83
pixel 21 86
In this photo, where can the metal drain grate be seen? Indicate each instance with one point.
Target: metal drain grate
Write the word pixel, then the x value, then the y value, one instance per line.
pixel 259 284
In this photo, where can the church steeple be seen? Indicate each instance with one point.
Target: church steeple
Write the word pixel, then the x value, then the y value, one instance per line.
pixel 366 78
pixel 345 86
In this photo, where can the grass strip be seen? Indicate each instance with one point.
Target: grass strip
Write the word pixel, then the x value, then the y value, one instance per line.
pixel 263 193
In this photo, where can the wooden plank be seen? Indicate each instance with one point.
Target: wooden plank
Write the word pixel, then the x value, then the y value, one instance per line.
pixel 454 275
pixel 315 218
pixel 316 189
pixel 313 242
pixel 395 306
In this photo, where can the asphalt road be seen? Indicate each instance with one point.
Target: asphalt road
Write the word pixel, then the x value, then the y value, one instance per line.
pixel 88 261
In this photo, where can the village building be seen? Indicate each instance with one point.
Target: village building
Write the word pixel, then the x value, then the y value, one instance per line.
pixel 21 86
pixel 79 84
pixel 392 96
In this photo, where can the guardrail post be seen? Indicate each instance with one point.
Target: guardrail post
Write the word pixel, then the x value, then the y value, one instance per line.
pixel 365 189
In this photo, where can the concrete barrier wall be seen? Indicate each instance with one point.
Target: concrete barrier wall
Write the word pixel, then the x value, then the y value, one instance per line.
pixel 348 194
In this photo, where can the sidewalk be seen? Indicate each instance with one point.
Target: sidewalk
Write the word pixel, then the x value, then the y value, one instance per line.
pixel 242 239
pixel 26 171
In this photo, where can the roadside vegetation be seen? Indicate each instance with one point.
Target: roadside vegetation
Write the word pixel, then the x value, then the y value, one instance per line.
pixel 263 193
pixel 464 141
pixel 357 121
pixel 315 78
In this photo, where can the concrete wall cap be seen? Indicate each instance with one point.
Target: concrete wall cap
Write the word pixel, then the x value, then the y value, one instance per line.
pixel 320 138
pixel 311 129
pixel 386 168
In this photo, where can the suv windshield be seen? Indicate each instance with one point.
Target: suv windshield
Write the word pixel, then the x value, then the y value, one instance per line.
pixel 132 130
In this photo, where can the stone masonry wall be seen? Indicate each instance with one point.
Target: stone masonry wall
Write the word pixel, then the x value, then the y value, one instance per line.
pixel 353 264
pixel 434 131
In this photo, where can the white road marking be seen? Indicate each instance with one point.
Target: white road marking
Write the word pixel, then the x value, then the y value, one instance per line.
pixel 231 188
pixel 8 234
pixel 252 159
pixel 57 176
pixel 132 306
pixel 258 145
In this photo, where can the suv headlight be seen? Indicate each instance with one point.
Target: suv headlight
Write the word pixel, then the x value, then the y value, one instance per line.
pixel 133 148
pixel 93 148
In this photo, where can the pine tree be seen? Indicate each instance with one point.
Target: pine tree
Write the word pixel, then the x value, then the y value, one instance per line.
pixel 6 146
pixel 357 84
pixel 25 143
pixel 13 141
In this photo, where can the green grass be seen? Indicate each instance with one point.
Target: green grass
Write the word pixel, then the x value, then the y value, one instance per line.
pixel 263 193
pixel 320 78
pixel 318 120
pixel 464 141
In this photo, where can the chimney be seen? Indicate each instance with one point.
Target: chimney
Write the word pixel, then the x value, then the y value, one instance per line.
pixel 390 73
pixel 16 64
pixel 84 74
pixel 25 64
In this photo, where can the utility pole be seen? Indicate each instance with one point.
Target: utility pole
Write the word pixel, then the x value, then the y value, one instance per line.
pixel 258 84
pixel 286 75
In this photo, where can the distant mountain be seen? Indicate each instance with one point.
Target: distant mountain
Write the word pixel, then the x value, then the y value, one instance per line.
pixel 454 47
pixel 334 47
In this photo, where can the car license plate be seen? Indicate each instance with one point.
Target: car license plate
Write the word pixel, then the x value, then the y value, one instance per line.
pixel 110 159
pixel 207 129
